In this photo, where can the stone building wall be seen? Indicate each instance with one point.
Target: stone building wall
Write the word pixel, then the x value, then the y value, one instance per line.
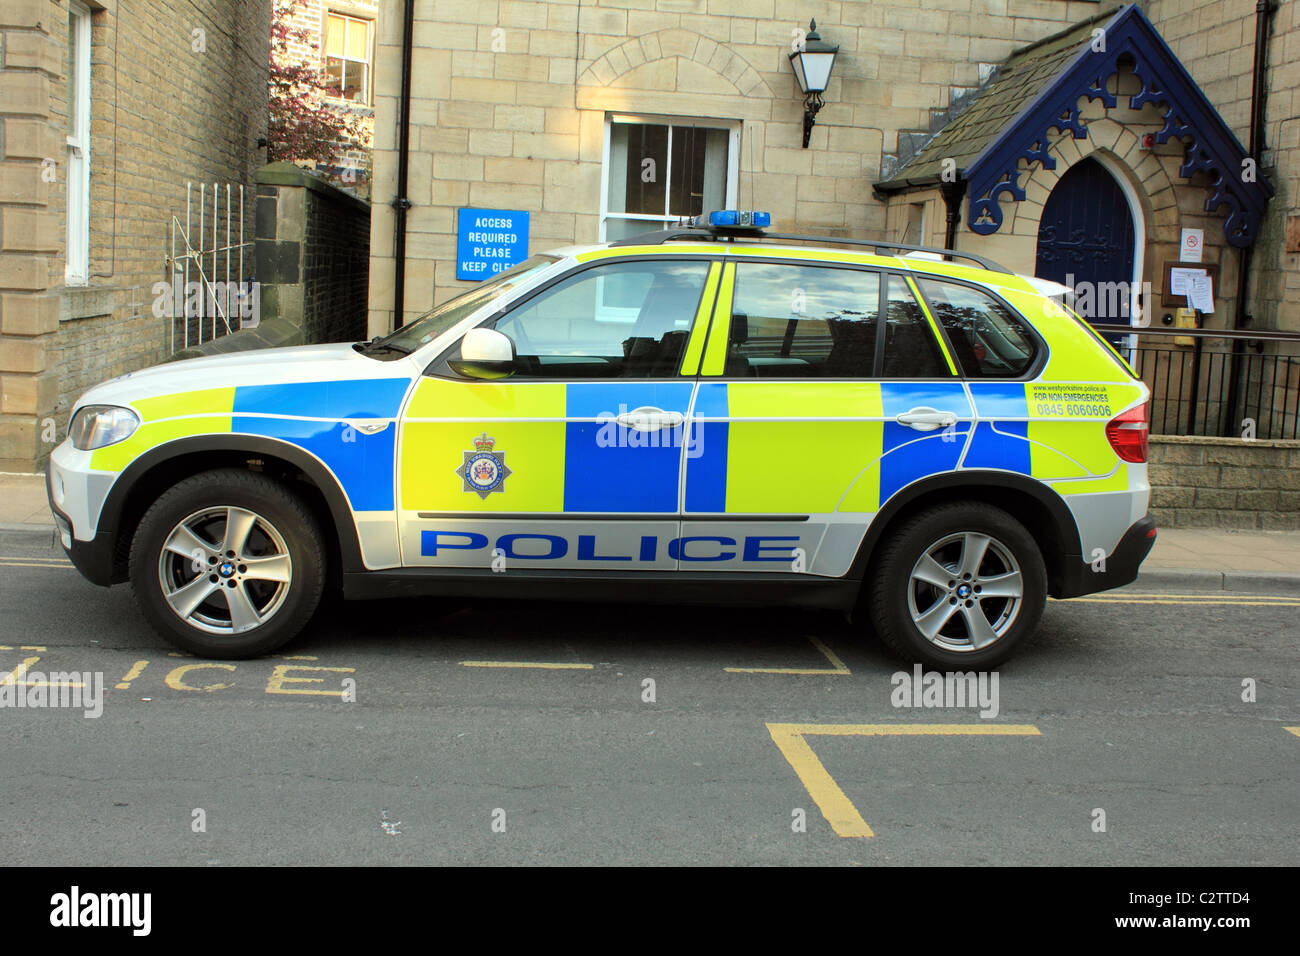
pixel 509 104
pixel 177 95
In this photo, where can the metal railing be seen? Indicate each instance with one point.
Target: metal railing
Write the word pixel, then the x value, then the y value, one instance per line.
pixel 1218 382
pixel 208 288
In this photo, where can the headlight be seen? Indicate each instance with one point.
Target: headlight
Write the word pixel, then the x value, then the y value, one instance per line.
pixel 95 426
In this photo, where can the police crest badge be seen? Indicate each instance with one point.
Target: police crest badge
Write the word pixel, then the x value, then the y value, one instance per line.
pixel 484 470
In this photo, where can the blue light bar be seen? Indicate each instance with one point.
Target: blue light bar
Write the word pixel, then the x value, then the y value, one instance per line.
pixel 734 218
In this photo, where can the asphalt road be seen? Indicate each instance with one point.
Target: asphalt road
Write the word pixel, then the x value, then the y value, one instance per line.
pixel 1130 704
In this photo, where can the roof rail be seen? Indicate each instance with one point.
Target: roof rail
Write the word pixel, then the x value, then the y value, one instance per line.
pixel 670 235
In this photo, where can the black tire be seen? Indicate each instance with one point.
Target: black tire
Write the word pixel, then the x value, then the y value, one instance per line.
pixel 264 601
pixel 896 597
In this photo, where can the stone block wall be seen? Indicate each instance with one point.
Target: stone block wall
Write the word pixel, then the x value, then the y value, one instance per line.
pixel 312 254
pixel 1225 483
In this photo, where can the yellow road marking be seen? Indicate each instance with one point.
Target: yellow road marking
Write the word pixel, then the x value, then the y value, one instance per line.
pixel 20 671
pixel 532 664
pixel 837 666
pixel 136 670
pixel 1293 730
pixel 275 684
pixel 837 808
pixel 7 563
pixel 176 679
pixel 1195 602
pixel 22 647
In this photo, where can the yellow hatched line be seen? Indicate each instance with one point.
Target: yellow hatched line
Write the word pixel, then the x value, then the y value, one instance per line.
pixel 837 667
pixel 1292 730
pixel 837 808
pixel 536 665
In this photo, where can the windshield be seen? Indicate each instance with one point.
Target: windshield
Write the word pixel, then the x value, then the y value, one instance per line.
pixel 440 318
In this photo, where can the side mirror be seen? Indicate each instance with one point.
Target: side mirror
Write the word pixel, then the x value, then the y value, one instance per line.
pixel 484 354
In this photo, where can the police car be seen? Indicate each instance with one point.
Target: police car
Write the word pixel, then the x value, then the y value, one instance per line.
pixel 715 413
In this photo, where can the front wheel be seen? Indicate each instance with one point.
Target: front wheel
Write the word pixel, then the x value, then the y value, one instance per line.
pixel 958 587
pixel 227 564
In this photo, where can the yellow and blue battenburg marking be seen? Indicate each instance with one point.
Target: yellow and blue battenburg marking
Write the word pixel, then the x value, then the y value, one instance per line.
pixel 567 450
pixel 312 415
pixel 807 447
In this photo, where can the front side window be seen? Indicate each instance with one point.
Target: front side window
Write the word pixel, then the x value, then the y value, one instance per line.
pixel 347 56
pixel 620 320
pixel 792 321
pixel 656 173
pixel 989 339
pixel 77 263
pixel 442 317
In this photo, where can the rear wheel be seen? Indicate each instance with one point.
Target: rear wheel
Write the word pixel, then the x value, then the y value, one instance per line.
pixel 227 564
pixel 958 587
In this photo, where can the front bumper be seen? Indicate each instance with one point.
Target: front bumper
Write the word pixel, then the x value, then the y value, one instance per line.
pixel 93 558
pixel 1118 569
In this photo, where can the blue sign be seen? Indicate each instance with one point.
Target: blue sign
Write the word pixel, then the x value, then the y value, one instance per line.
pixel 489 241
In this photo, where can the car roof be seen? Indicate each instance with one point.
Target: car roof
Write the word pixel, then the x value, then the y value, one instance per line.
pixel 921 264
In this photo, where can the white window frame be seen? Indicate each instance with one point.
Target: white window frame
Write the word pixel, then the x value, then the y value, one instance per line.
pixel 77 245
pixel 367 90
pixel 733 164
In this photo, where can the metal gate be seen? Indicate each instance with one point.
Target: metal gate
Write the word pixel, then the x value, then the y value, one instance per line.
pixel 207 294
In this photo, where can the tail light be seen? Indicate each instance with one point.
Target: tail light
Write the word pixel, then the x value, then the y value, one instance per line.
pixel 1127 434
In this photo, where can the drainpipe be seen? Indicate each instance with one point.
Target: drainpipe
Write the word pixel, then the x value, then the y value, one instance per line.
pixel 1264 10
pixel 952 193
pixel 400 202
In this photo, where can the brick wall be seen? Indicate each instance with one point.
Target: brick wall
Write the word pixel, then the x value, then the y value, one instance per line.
pixel 313 254
pixel 521 126
pixel 177 94
pixel 1225 483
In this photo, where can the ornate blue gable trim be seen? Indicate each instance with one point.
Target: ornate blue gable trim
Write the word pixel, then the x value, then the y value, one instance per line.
pixel 1187 113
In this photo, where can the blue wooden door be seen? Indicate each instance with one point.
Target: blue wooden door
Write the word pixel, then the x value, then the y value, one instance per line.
pixel 1085 241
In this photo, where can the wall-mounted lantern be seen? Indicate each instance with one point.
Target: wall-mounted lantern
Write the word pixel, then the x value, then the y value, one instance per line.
pixel 812 63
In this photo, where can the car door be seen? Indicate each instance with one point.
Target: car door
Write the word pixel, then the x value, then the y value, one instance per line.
pixel 812 412
pixel 574 459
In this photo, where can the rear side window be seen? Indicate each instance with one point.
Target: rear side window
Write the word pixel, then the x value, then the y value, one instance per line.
pixel 803 321
pixel 990 340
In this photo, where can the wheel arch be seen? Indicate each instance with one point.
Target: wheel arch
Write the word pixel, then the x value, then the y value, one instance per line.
pixel 1044 514
pixel 139 485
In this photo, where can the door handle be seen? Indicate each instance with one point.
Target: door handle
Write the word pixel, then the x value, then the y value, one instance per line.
pixel 649 419
pixel 927 419
pixel 367 426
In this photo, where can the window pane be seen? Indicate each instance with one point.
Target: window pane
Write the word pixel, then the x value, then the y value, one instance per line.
pixel 990 340
pixel 357 47
pixel 910 347
pixel 687 186
pixel 699 171
pixel 638 168
pixel 334 73
pixel 73 69
pixel 354 79
pixel 803 321
pixel 335 31
pixel 623 320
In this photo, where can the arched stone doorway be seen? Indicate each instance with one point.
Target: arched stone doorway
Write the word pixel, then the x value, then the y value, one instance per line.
pixel 1089 239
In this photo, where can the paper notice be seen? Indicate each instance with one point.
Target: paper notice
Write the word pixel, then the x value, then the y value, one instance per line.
pixel 1180 280
pixel 1201 294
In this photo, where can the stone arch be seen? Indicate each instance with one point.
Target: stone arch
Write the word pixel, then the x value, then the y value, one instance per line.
pixel 640 63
